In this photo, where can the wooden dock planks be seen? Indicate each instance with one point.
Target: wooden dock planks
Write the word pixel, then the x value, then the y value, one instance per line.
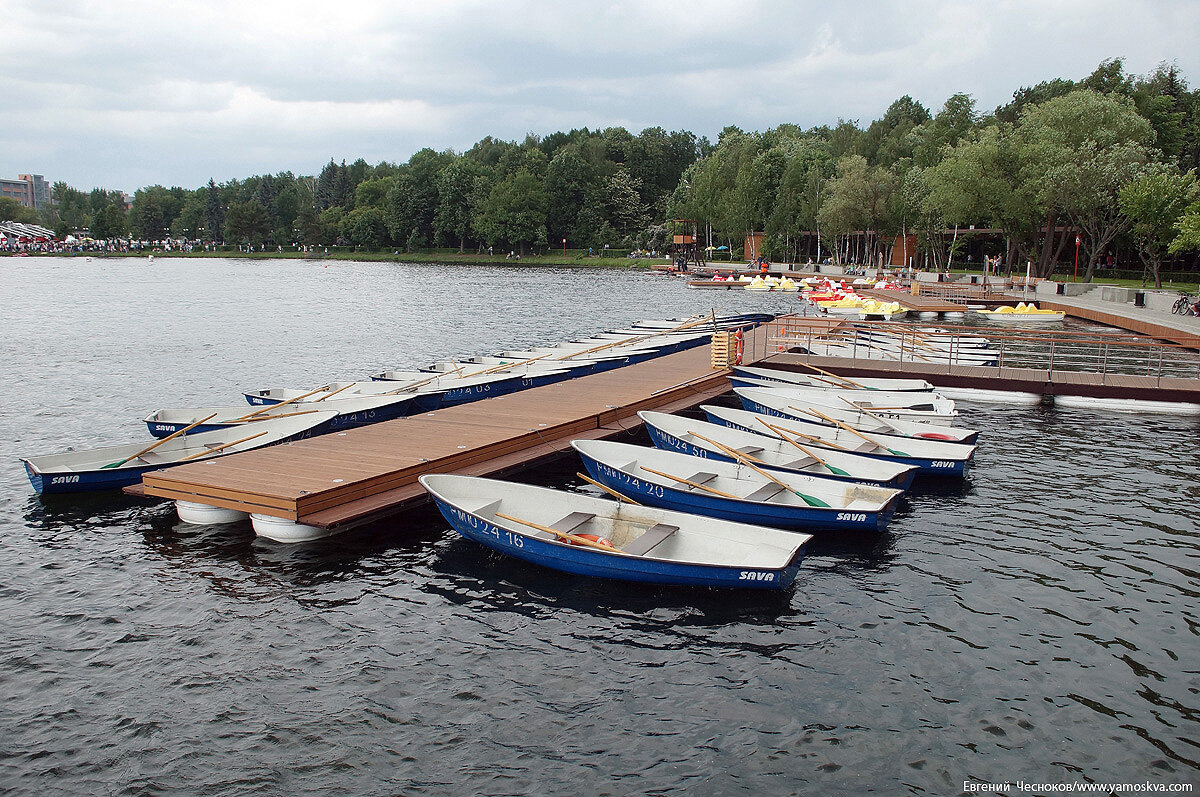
pixel 361 473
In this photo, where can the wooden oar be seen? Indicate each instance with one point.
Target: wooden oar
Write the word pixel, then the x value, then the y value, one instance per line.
pixel 608 490
pixel 215 449
pixel 858 385
pixel 506 366
pixel 712 490
pixel 575 538
pixel 910 407
pixel 412 386
pixel 782 434
pixel 746 460
pixel 281 415
pixel 852 430
pixel 811 439
pixel 877 417
pixel 279 404
pixel 158 443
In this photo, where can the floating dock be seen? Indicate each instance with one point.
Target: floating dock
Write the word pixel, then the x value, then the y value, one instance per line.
pixel 347 478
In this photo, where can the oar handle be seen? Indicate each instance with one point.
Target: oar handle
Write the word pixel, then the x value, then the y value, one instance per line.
pixel 850 429
pixel 784 436
pixel 214 450
pixel 835 376
pixel 608 489
pixel 334 393
pixel 561 534
pixel 877 417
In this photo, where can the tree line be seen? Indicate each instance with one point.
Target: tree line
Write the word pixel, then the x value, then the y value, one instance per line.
pixel 1111 158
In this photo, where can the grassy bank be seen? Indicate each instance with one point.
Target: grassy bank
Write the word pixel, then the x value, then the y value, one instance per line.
pixel 570 260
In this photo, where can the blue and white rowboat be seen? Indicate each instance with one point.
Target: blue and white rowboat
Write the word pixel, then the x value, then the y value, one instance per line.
pixel 828 382
pixel 687 436
pixel 649 545
pixel 933 457
pixel 684 483
pixel 351 412
pixel 113 467
pixel 930 427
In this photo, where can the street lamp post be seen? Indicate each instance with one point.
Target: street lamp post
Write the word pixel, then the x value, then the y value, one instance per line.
pixel 1075 276
pixel 564 247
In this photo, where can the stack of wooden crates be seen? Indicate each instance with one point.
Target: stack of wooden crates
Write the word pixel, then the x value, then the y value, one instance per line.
pixel 724 349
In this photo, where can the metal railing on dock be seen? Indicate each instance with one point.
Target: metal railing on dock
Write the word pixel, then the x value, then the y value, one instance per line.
pixel 1057 351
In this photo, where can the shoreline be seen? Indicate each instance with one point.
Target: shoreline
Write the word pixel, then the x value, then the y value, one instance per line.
pixel 442 258
pixel 466 258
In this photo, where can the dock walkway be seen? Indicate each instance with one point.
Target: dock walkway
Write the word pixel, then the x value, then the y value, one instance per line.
pixel 347 478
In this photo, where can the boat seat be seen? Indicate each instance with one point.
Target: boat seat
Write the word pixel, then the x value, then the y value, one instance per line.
pixel 799 463
pixel 703 477
pixel 764 493
pixel 748 449
pixel 572 522
pixel 648 539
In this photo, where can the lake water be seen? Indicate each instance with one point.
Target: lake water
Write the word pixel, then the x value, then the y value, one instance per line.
pixel 1039 624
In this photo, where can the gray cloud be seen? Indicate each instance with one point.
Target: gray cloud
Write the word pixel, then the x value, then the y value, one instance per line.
pixel 136 92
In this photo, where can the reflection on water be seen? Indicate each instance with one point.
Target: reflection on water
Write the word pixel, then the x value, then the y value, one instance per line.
pixel 1038 622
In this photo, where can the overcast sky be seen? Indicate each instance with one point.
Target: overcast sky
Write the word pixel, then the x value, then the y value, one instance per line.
pixel 128 93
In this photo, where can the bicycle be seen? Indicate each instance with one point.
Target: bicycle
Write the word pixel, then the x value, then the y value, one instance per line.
pixel 1184 305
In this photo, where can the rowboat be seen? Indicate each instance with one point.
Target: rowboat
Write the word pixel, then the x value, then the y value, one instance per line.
pixel 499 382
pixel 112 467
pixel 736 491
pixel 865 348
pixel 769 402
pixel 906 404
pixel 430 391
pixel 714 441
pixel 351 412
pixel 932 457
pixel 548 527
pixel 832 380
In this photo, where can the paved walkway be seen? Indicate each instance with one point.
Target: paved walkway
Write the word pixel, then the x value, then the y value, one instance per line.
pixel 1157 309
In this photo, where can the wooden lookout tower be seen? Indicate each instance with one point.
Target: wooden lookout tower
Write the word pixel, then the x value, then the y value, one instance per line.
pixel 683 242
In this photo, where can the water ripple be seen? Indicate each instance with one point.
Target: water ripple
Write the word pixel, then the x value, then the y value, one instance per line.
pixel 1037 622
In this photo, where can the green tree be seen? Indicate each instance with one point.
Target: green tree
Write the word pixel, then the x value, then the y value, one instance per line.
pixel 1079 150
pixel 859 198
pixel 147 216
pixel 247 223
pixel 1156 201
pixel 458 199
pixel 109 223
pixel 214 213
pixel 514 212
pixel 12 210
pixel 364 226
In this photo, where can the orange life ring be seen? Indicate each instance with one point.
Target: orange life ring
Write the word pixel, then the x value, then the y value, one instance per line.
pixel 603 541
pixel 741 346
